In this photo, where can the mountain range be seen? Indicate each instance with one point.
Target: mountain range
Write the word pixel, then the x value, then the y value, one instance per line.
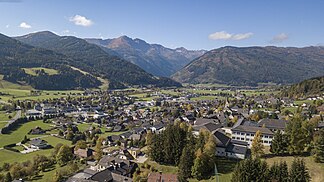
pixel 254 65
pixel 153 58
pixel 46 49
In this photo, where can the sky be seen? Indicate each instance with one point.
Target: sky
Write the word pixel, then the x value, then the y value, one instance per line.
pixel 193 24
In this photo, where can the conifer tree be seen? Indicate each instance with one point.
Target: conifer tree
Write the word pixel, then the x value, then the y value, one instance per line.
pixel 319 146
pixel 298 171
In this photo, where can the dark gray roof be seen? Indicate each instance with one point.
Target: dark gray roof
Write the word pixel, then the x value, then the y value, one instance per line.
pixel 238 149
pixel 221 139
pixel 201 121
pixel 273 123
pixel 252 129
pixel 103 176
pixel 208 126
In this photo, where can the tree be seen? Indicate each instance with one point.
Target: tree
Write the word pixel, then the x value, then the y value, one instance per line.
pixel 279 144
pixel 148 138
pixel 81 144
pixel 200 168
pixel 57 176
pixel 186 163
pixel 319 146
pixel 8 177
pixel 298 171
pixel 251 170
pixel 279 172
pixel 64 155
pixel 257 145
pixel 296 134
pixel 98 149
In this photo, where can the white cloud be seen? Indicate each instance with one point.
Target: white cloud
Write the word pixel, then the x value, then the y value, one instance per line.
pixel 81 21
pixel 223 35
pixel 7 26
pixel 279 38
pixel 24 25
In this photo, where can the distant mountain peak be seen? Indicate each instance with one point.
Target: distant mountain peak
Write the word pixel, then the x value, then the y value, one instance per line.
pixel 153 58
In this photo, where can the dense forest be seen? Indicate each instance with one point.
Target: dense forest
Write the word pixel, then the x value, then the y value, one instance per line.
pixel 254 65
pixel 310 87
pixel 15 55
pixel 92 59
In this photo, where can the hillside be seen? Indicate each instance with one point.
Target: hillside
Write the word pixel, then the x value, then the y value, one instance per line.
pixel 153 58
pixel 310 87
pixel 253 65
pixel 14 56
pixel 94 60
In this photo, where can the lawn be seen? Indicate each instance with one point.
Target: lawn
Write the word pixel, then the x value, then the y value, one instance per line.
pixel 32 71
pixel 19 134
pixel 2 124
pixel 8 85
pixel 5 117
pixel 11 157
pixel 316 170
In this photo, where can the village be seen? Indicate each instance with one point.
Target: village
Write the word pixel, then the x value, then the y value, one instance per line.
pixel 108 131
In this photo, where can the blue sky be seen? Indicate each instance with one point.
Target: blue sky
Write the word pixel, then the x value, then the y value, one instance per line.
pixel 189 23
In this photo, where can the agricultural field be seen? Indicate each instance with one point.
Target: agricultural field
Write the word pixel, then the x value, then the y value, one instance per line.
pixel 33 71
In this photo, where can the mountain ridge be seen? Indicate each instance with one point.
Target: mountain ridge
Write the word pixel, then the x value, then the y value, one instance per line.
pixel 253 65
pixel 153 58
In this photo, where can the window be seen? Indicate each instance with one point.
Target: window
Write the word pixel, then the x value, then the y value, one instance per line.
pixel 234 138
pixel 242 138
pixel 252 134
pixel 266 136
pixel 270 136
pixel 248 134
pixel 266 141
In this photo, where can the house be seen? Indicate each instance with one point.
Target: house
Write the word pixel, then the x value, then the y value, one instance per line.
pixel 158 128
pixel 207 126
pixel 116 165
pixel 162 177
pixel 38 144
pixel 84 153
pixel 247 133
pixel 134 151
pixel 36 131
pixel 226 147
pixel 273 124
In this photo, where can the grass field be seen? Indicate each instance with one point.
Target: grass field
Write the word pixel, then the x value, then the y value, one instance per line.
pixel 32 71
pixel 8 85
pixel 18 94
pixel 316 170
pixel 5 117
pixel 19 134
pixel 3 123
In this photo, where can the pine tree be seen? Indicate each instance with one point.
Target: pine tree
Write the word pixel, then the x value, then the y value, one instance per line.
pixel 279 144
pixel 298 171
pixel 257 145
pixel 279 172
pixel 319 146
pixel 186 163
pixel 251 170
pixel 297 136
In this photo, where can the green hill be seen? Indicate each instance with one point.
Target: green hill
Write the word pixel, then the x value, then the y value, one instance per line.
pixel 310 87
